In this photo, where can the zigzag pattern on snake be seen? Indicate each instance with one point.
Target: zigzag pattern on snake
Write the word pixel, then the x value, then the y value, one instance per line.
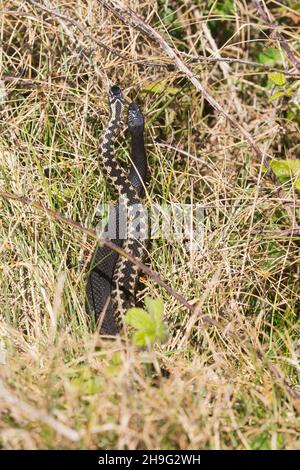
pixel 112 279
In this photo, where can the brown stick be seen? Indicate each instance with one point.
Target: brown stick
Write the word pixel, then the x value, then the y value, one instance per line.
pixel 284 233
pixel 233 60
pixel 92 233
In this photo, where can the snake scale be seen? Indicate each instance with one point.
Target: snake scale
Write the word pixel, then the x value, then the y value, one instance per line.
pixel 112 279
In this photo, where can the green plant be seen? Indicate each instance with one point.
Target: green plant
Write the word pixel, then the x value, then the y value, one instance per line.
pixel 148 323
pixel 287 170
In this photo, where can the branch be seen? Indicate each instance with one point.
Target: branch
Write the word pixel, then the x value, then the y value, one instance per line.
pixel 233 60
pixel 284 233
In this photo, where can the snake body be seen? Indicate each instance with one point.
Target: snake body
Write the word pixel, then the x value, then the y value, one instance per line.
pixel 112 279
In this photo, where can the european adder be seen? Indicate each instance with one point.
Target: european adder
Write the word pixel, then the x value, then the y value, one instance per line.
pixel 112 279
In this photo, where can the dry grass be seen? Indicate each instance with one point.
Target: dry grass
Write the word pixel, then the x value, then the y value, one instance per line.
pixel 231 385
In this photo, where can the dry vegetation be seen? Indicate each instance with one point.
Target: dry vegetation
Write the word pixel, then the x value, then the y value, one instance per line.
pixel 230 384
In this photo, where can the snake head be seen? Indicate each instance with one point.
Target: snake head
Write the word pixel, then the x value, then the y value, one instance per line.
pixel 135 118
pixel 115 94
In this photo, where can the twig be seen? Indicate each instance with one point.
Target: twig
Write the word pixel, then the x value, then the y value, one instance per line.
pixel 26 81
pixel 264 13
pixel 92 233
pixel 285 233
pixel 233 60
pixel 129 17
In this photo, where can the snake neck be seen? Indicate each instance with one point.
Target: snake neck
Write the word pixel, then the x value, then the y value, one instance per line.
pixel 138 172
pixel 113 172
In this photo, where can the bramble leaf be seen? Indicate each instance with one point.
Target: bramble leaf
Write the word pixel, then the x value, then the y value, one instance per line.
pixel 149 325
pixel 276 95
pixel 155 307
pixel 297 183
pixel 139 319
pixel 277 78
pixel 161 87
pixel 142 338
pixel 270 56
pixel 289 167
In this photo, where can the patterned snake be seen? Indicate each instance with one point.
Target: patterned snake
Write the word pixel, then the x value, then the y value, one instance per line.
pixel 112 279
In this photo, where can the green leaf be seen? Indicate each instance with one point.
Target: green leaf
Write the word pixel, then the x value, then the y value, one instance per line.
pixel 162 333
pixel 88 385
pixel 289 92
pixel 93 385
pixel 277 78
pixel 280 168
pixel 161 87
pixel 276 95
pixel 289 167
pixel 170 16
pixel 142 338
pixel 293 115
pixel 224 7
pixel 139 319
pixel 270 56
pixel 114 364
pixel 155 308
pixel 149 325
pixel 294 165
pixel 297 183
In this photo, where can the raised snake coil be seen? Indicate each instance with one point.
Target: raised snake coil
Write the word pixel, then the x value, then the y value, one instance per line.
pixel 112 279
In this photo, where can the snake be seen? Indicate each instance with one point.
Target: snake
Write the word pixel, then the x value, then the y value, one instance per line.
pixel 112 279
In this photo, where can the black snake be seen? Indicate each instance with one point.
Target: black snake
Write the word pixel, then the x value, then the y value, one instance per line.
pixel 112 279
